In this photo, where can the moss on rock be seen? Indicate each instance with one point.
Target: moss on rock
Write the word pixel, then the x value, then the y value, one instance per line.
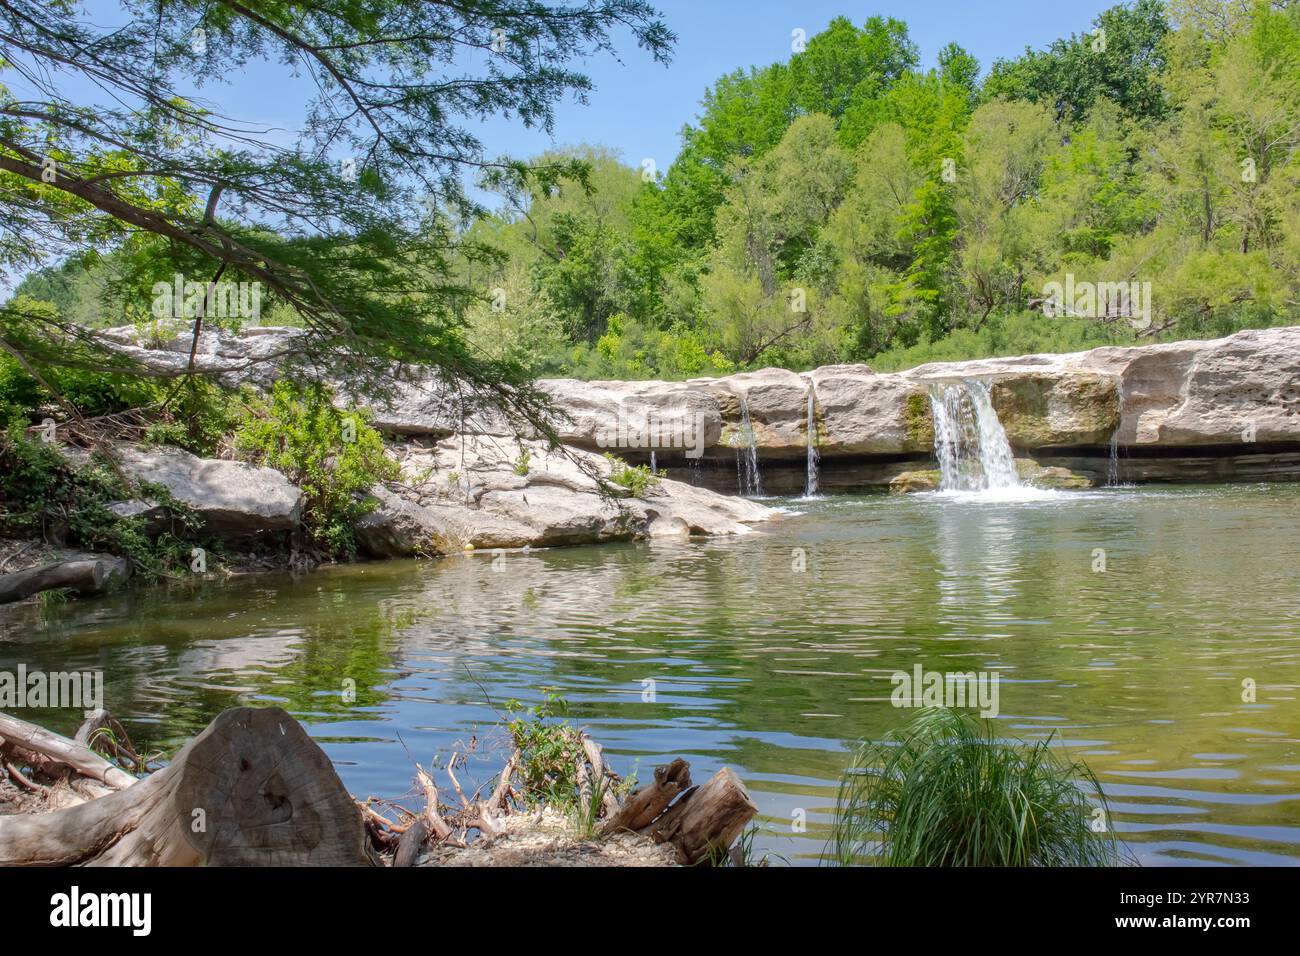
pixel 919 421
pixel 1044 410
pixel 910 482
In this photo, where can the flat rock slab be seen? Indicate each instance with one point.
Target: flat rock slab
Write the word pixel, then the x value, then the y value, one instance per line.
pixel 234 499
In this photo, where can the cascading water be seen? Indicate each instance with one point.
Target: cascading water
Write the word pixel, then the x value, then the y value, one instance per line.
pixel 814 457
pixel 969 441
pixel 747 473
pixel 1112 472
pixel 654 467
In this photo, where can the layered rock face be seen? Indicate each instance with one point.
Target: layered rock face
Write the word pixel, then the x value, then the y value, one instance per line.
pixel 1198 410
pixel 474 492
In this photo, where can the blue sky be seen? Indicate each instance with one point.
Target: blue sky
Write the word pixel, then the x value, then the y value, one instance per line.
pixel 639 106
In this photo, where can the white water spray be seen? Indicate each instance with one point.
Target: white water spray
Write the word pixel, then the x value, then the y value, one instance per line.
pixel 747 473
pixel 814 457
pixel 969 441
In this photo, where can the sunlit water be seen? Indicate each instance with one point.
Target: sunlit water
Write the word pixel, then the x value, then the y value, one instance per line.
pixel 1137 669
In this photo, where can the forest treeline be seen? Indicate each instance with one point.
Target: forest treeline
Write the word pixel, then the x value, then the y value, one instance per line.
pixel 853 205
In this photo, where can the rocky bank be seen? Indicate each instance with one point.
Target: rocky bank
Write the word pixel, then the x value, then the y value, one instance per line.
pixel 1223 409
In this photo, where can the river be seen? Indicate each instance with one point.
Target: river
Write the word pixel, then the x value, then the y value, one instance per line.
pixel 1126 623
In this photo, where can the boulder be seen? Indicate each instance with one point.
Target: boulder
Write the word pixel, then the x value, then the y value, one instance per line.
pixel 910 482
pixel 1051 476
pixel 862 413
pixel 234 499
pixel 1040 410
pixel 776 401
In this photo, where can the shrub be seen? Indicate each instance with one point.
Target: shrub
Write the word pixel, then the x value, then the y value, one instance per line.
pixel 637 479
pixel 334 456
pixel 944 791
pixel 43 495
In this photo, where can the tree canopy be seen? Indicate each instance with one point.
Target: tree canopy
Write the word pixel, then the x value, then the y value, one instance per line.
pixel 847 204
pixel 355 227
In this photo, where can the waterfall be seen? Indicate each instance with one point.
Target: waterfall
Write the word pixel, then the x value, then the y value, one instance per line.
pixel 747 473
pixel 969 441
pixel 654 469
pixel 1112 471
pixel 810 486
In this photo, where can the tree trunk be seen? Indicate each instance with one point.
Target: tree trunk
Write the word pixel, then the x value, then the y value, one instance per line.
pixel 705 822
pixel 86 576
pixel 251 790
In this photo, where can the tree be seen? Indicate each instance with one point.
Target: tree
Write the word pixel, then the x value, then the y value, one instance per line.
pixel 329 226
pixel 1121 59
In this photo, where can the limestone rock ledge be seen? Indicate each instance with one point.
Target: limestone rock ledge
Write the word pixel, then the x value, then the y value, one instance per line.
pixel 474 492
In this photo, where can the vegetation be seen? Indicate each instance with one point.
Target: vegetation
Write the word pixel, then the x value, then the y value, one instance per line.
pixel 355 228
pixel 850 205
pixel 44 496
pixel 639 480
pixel 548 751
pixel 945 791
pixel 333 455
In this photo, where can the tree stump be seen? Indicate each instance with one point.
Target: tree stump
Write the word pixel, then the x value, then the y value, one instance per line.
pixel 706 821
pixel 252 790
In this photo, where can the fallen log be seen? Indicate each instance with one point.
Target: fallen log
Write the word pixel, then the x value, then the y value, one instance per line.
pixel 83 575
pixel 706 821
pixel 19 734
pixel 253 789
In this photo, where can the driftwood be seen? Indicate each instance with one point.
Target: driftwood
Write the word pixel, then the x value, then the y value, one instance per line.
pixel 47 746
pixel 641 809
pixel 705 822
pixel 251 789
pixel 83 575
pixel 254 789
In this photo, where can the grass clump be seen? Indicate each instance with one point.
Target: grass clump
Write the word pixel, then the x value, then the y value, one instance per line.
pixel 945 791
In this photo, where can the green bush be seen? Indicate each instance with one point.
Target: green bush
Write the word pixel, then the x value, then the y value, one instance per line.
pixel 333 455
pixel 944 791
pixel 638 479
pixel 197 415
pixel 45 496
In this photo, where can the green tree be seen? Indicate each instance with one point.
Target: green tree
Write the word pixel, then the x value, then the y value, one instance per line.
pixel 369 276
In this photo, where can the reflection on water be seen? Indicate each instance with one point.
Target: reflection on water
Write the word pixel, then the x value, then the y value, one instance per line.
pixel 775 672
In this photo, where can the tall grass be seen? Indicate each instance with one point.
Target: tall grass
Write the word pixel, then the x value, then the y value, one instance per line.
pixel 945 791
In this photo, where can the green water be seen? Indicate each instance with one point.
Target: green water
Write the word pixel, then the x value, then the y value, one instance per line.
pixel 1137 669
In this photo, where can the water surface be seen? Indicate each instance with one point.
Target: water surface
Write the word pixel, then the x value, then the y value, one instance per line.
pixel 772 670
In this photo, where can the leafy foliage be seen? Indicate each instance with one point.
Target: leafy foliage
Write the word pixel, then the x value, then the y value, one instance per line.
pixel 639 480
pixel 333 455
pixel 43 495
pixel 548 748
